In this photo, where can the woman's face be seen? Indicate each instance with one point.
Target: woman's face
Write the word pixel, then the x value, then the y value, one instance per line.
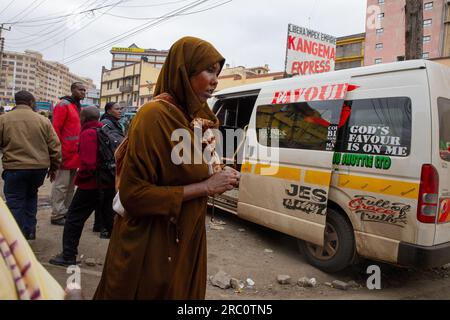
pixel 115 111
pixel 205 82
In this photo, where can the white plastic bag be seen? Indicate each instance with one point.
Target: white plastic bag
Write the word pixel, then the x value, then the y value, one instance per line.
pixel 117 205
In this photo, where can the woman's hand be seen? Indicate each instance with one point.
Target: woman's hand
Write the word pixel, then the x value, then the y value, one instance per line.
pixel 218 183
pixel 222 181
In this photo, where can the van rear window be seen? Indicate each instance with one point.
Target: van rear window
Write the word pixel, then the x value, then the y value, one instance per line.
pixel 444 128
pixel 380 126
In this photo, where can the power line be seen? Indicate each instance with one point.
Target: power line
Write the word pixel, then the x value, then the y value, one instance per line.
pixel 9 4
pixel 33 35
pixel 23 11
pixel 155 18
pixel 154 5
pixel 32 9
pixel 55 29
pixel 75 32
pixel 82 54
pixel 41 19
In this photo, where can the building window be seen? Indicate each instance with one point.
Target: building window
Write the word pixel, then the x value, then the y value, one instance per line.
pixel 426 39
pixel 119 56
pixel 378 46
pixel 427 23
pixel 378 60
pixel 380 31
pixel 160 58
pixel 428 6
pixel 380 1
pixel 425 55
pixel 381 16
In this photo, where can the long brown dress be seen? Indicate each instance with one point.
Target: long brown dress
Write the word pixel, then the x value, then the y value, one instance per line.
pixel 158 249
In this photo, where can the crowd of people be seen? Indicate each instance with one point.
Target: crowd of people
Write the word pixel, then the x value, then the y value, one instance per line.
pixel 157 247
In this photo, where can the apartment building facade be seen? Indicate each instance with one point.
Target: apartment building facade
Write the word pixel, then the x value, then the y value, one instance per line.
pixel 130 86
pixel 385 30
pixel 46 80
pixel 122 57
pixel 236 76
pixel 350 51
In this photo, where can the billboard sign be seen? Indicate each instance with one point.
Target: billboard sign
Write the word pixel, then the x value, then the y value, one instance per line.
pixel 309 52
pixel 133 50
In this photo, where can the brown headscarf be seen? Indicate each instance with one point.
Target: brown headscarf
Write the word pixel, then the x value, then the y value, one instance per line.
pixel 187 57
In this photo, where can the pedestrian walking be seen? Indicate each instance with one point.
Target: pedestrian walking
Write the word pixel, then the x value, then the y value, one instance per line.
pixel 88 192
pixel 66 121
pixel 158 246
pixel 31 150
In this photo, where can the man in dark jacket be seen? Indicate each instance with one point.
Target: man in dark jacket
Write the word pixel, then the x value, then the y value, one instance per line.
pixel 88 192
pixel 30 148
pixel 66 121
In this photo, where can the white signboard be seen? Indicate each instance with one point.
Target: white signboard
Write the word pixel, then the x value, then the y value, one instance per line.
pixel 309 51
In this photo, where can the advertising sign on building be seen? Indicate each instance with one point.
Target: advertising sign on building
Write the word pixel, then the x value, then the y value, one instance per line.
pixel 134 50
pixel 309 52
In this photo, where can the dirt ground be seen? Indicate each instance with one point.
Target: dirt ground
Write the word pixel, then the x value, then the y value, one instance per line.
pixel 245 250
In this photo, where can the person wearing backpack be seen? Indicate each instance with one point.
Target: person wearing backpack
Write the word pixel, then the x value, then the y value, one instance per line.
pixel 110 120
pixel 90 188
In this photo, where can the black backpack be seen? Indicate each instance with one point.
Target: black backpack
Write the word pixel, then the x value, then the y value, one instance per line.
pixel 106 163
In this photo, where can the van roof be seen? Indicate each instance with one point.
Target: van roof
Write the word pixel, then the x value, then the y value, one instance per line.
pixel 340 74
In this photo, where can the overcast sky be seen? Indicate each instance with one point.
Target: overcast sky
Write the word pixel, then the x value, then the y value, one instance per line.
pixel 247 32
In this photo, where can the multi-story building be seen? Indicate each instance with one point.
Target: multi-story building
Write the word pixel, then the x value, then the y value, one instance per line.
pixel 46 80
pixel 126 56
pixel 350 51
pixel 130 86
pixel 385 37
pixel 92 97
pixel 236 76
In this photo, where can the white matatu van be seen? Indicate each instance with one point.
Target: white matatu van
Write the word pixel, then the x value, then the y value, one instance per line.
pixel 352 163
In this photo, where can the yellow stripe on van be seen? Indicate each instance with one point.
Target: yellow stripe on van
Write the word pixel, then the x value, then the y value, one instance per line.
pixel 246 167
pixel 274 171
pixel 383 186
pixel 318 177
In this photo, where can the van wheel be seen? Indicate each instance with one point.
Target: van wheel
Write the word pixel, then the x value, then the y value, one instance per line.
pixel 339 245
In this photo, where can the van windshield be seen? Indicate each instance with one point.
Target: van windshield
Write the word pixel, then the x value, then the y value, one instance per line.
pixel 444 128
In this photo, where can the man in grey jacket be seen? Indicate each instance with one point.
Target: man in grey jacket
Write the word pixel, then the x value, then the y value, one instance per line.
pixel 31 149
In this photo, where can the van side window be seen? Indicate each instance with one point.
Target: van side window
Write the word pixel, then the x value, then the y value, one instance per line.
pixel 235 112
pixel 379 126
pixel 444 128
pixel 306 125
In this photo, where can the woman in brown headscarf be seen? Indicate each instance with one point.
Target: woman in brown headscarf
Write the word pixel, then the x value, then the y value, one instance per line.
pixel 158 248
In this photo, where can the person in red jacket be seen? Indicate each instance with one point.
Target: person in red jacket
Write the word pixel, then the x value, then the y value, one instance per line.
pixel 88 193
pixel 66 121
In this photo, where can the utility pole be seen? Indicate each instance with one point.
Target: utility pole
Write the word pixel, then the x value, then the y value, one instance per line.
pixel 413 29
pixel 2 46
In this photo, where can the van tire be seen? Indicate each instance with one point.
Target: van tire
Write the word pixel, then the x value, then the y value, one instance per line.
pixel 341 239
